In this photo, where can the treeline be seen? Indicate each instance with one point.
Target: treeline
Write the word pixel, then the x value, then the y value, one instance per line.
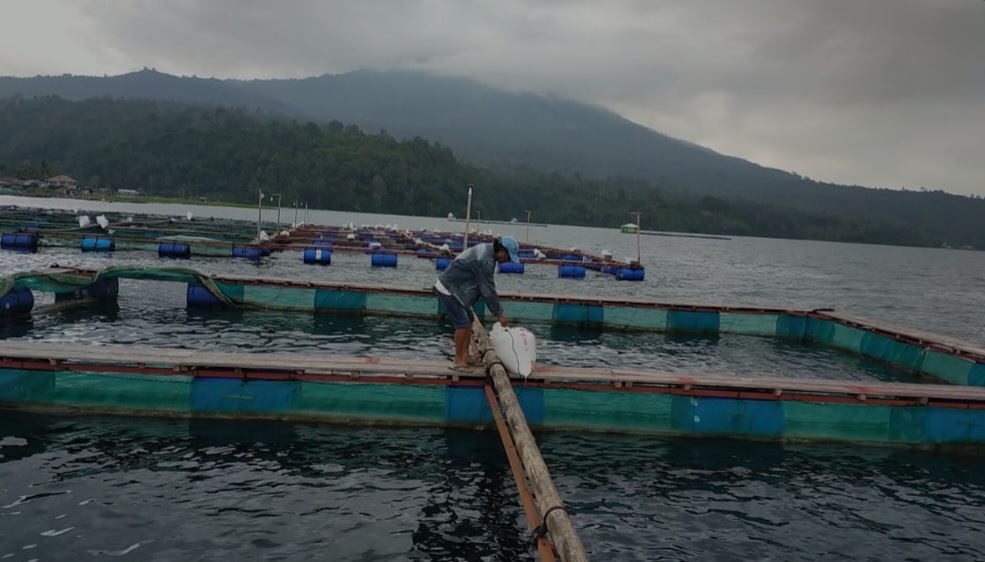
pixel 228 154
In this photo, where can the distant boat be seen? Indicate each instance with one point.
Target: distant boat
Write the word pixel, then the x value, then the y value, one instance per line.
pixel 629 228
pixel 451 216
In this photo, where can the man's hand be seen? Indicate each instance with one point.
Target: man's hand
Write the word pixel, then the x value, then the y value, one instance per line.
pixel 504 321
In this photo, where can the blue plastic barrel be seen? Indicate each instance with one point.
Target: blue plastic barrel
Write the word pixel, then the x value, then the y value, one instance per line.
pixel 248 252
pixel 573 271
pixel 174 250
pixel 572 257
pixel 15 303
pixel 198 295
pixel 323 244
pixel 318 255
pixel 442 264
pixel 426 253
pixel 529 254
pixel 510 267
pixel 384 260
pixel 97 244
pixel 19 241
pixel 101 289
pixel 630 274
pixel 264 250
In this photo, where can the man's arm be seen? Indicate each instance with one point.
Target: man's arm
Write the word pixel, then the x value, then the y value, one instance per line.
pixel 487 289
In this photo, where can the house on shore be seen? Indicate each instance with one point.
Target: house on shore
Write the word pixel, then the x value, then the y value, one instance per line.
pixel 127 192
pixel 63 182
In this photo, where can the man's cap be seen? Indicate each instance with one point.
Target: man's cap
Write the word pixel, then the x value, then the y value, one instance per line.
pixel 512 246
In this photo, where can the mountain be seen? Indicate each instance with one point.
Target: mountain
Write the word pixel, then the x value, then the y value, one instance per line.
pixel 495 129
pixel 145 84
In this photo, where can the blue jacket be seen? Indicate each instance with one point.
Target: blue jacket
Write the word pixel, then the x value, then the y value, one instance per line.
pixel 470 277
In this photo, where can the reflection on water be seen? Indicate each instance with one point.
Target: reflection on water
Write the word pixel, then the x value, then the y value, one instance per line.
pixel 215 490
pixel 202 490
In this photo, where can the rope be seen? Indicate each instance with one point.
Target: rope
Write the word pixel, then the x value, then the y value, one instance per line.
pixel 541 530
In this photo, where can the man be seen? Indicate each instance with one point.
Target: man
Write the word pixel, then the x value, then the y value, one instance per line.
pixel 467 279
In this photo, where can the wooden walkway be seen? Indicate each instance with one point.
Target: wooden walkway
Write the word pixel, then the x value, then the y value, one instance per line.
pixel 310 366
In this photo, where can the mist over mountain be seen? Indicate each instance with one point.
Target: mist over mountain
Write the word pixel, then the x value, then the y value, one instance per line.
pixel 498 129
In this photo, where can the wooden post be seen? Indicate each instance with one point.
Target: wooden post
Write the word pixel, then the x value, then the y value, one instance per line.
pixel 562 531
pixel 468 218
pixel 639 255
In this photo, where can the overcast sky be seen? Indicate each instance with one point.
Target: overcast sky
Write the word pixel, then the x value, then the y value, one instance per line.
pixel 882 93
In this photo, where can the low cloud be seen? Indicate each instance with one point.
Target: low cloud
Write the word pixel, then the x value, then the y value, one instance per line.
pixel 884 93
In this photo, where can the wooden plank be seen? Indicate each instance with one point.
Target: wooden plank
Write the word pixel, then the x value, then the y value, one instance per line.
pixel 187 359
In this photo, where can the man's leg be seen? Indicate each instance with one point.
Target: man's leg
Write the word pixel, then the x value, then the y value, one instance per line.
pixel 463 337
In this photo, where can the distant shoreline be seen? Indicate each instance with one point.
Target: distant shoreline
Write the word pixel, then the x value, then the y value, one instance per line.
pixel 517 223
pixel 684 235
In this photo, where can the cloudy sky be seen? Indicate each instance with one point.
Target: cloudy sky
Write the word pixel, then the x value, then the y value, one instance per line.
pixel 882 93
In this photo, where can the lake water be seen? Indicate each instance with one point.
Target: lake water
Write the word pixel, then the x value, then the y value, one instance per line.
pixel 150 489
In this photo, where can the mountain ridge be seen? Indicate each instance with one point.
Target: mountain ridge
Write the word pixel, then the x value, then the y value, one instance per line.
pixel 496 129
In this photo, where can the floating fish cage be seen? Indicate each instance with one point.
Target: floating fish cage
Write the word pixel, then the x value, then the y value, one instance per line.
pixel 948 410
pixel 187 238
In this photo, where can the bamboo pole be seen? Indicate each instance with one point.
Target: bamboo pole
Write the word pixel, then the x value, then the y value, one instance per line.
pixel 516 467
pixel 562 531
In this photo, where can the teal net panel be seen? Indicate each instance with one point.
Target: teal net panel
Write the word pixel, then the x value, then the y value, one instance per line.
pixel 837 422
pixel 950 426
pixel 373 402
pixel 526 311
pixel 60 281
pixel 210 250
pixel 409 305
pixel 607 411
pixel 130 245
pixel 897 353
pixel 834 334
pixel 789 325
pixel 748 324
pixel 237 396
pixel 578 314
pixel 201 246
pixel 331 300
pixel 232 291
pixel 632 318
pixel 949 368
pixel 693 321
pixel 283 298
pixel 17 385
pixel 728 416
pixel 122 392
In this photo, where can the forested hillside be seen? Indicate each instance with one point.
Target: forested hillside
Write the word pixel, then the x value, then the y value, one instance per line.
pixel 171 149
pixel 501 130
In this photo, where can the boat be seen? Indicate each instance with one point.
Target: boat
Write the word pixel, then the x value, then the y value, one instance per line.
pixel 629 228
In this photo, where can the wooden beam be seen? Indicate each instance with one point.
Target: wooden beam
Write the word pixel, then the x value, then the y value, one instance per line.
pixel 552 511
pixel 135 358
